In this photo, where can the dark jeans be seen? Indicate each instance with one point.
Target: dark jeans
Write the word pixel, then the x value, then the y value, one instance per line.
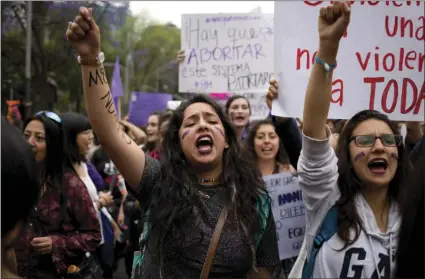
pixel 105 256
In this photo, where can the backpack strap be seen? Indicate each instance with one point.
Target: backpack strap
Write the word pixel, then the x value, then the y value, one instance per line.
pixel 328 229
pixel 263 208
pixel 139 255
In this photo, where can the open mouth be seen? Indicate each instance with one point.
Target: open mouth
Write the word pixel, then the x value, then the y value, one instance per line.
pixel 204 144
pixel 239 118
pixel 378 166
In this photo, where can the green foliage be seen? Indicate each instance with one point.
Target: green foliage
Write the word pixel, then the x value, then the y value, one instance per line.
pixel 152 48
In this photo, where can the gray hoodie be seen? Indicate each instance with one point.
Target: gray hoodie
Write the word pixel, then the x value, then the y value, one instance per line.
pixel 373 250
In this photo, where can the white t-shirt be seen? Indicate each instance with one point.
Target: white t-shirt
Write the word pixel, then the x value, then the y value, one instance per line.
pixel 91 188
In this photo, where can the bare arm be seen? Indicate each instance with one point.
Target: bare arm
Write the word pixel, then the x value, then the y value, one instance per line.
pixel 84 35
pixel 137 132
pixel 126 155
pixel 318 96
pixel 333 21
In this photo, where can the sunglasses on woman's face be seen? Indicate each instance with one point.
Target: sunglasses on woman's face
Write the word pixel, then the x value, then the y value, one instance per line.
pixel 51 115
pixel 389 140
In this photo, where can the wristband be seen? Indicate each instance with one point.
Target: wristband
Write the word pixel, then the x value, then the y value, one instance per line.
pixel 328 67
pixel 91 60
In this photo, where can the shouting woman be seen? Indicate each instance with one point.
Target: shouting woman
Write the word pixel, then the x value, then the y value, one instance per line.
pixel 209 212
pixel 351 197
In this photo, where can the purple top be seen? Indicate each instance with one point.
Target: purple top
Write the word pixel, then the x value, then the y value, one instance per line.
pixel 95 176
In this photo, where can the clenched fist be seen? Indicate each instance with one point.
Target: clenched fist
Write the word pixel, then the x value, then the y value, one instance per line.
pixel 333 21
pixel 84 34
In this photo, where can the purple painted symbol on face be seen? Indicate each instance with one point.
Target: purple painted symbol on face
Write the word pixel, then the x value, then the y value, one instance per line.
pixel 359 156
pixel 219 129
pixel 394 155
pixel 185 133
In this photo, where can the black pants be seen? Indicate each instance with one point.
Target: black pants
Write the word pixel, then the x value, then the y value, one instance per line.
pixel 104 255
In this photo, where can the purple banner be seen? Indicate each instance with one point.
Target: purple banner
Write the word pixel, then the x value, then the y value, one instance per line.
pixel 117 90
pixel 117 108
pixel 142 104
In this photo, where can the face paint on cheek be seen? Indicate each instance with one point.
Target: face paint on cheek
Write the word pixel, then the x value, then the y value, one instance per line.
pixel 219 129
pixel 185 133
pixel 32 142
pixel 359 156
pixel 394 155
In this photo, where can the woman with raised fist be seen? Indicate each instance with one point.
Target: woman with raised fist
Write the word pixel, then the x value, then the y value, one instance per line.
pixel 207 210
pixel 352 197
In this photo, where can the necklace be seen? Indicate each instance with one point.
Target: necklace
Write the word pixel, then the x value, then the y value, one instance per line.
pixel 208 180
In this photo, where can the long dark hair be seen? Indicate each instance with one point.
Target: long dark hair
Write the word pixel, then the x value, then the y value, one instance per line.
pixel 281 156
pixel 411 238
pixel 350 185
pixel 52 169
pixel 74 123
pixel 19 177
pixel 176 198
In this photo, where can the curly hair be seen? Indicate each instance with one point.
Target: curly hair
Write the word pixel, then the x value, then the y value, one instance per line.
pixel 350 185
pixel 176 199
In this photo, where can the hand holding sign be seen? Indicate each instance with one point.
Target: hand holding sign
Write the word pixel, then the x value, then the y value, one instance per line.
pixel 333 21
pixel 181 56
pixel 272 93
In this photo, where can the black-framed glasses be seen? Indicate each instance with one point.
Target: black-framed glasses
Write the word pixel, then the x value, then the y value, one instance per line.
pixel 389 140
pixel 51 115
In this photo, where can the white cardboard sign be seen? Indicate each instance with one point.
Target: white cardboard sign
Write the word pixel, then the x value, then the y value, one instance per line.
pixel 381 59
pixel 288 212
pixel 257 100
pixel 226 52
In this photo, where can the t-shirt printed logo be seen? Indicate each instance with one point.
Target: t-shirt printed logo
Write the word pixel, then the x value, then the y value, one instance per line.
pixel 354 271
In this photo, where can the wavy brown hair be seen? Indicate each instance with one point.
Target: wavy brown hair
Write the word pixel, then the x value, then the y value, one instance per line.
pixel 348 182
pixel 281 156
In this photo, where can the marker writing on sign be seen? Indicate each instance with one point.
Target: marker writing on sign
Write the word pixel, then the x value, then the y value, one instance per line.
pixel 359 156
pixel 185 133
pixel 394 155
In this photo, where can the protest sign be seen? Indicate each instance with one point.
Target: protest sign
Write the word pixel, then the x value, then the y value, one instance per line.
pixel 143 104
pixel 257 100
pixel 380 61
pixel 173 105
pixel 226 52
pixel 259 109
pixel 288 212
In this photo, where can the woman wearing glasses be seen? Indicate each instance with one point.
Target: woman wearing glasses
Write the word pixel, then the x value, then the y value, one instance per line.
pixel 63 226
pixel 361 182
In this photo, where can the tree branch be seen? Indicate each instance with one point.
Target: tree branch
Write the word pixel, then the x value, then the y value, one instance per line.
pixel 15 12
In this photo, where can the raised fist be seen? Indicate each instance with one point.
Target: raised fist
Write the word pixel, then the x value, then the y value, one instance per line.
pixel 84 34
pixel 333 21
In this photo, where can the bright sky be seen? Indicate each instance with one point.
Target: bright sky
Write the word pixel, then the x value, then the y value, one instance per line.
pixel 171 11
